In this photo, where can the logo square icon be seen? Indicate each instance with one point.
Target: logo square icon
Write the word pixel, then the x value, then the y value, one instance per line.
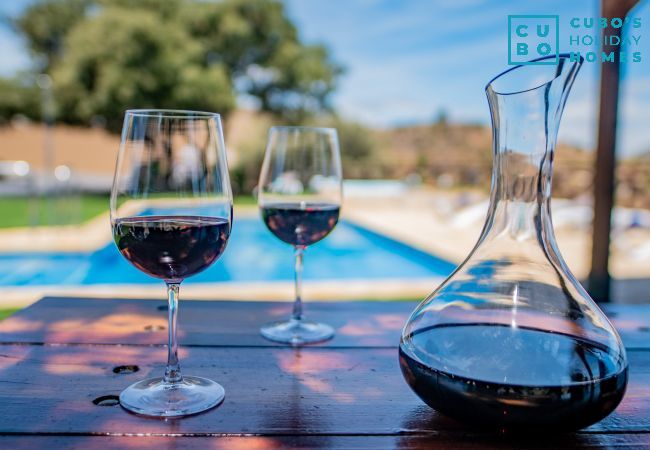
pixel 531 37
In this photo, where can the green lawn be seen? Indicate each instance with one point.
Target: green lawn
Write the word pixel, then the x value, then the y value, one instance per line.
pixel 69 210
pixel 245 200
pixel 60 210
pixel 4 313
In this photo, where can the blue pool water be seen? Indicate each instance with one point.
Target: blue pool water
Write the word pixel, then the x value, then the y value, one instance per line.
pixel 253 254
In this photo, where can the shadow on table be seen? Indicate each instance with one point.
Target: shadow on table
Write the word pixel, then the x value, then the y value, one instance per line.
pixel 459 436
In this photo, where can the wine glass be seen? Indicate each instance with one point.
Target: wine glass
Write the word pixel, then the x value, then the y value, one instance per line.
pixel 300 197
pixel 171 214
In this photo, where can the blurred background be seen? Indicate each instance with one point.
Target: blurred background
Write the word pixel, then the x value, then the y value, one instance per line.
pixel 403 82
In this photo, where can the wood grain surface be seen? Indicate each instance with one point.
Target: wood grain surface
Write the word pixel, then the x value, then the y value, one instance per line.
pixel 62 356
pixel 58 320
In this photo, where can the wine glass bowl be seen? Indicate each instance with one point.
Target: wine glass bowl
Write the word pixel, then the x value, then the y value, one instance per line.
pixel 190 243
pixel 171 215
pixel 300 224
pixel 300 193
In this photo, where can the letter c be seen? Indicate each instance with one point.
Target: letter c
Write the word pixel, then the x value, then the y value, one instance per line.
pixel 521 33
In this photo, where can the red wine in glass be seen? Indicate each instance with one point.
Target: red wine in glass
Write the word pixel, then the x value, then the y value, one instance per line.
pixel 300 224
pixel 171 247
pixel 300 193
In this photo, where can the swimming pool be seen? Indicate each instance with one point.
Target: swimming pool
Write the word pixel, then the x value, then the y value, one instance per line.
pixel 253 254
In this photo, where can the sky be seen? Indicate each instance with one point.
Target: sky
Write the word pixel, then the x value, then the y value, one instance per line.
pixel 407 60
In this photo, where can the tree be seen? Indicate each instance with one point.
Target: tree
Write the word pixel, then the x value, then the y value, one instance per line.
pixel 122 59
pixel 17 97
pixel 442 118
pixel 46 24
pixel 359 155
pixel 260 46
pixel 106 55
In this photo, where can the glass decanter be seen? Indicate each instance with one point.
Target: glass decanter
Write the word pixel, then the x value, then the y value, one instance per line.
pixel 511 339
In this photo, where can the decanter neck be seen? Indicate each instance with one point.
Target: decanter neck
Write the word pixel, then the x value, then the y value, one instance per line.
pixel 520 196
pixel 523 157
pixel 524 126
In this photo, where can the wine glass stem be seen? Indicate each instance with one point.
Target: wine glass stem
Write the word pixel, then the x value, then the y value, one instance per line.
pixel 297 305
pixel 173 370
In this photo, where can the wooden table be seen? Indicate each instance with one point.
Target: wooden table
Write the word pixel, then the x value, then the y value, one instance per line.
pixel 63 361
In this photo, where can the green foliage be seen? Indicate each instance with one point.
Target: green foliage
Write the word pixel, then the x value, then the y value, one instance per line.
pixel 4 313
pixel 359 155
pixel 46 25
pixel 249 155
pixel 109 55
pixel 17 97
pixel 260 46
pixel 122 59
pixel 356 140
pixel 442 119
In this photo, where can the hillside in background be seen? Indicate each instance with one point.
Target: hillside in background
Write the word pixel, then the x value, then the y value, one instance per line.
pixel 450 156
pixel 460 155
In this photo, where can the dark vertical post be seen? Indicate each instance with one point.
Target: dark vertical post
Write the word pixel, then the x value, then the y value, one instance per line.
pixel 599 279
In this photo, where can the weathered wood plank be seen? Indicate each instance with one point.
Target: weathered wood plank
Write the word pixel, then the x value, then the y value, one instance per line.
pixel 103 321
pixel 269 391
pixel 358 324
pixel 469 442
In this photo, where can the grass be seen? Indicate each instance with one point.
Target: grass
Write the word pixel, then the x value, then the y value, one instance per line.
pixel 245 200
pixel 62 210
pixel 4 313
pixel 59 210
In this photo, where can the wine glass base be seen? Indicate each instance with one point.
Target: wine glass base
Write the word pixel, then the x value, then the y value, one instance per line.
pixel 155 397
pixel 297 332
